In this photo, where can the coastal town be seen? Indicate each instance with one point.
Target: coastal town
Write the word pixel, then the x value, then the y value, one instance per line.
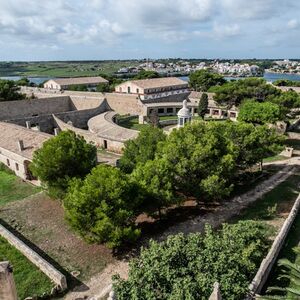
pixel 186 67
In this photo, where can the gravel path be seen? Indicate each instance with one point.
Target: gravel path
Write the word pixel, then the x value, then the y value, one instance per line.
pixel 100 285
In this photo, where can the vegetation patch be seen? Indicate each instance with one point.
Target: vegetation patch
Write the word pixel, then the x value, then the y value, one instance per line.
pixel 12 188
pixel 30 281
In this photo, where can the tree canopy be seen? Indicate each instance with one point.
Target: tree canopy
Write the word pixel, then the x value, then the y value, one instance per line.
pixel 288 100
pixel 202 80
pixel 203 105
pixel 9 91
pixel 285 82
pixel 255 112
pixel 234 92
pixel 103 207
pixel 186 267
pixel 141 149
pixel 146 75
pixel 61 158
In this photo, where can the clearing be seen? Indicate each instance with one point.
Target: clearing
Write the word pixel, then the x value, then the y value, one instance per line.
pixel 13 188
pixel 30 281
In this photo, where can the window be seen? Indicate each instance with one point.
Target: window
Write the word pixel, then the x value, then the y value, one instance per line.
pixel 105 144
pixel 137 91
pixel 161 110
pixel 128 89
pixel 170 110
pixel 8 162
pixel 195 110
pixel 17 167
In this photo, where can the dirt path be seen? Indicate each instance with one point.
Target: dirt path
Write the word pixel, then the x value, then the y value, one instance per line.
pixel 100 285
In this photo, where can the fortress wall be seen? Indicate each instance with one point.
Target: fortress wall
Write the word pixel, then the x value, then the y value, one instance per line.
pixel 124 104
pixel 28 108
pixel 99 142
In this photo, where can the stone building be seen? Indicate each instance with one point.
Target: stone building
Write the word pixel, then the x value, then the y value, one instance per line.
pixel 154 88
pixel 66 83
pixel 17 145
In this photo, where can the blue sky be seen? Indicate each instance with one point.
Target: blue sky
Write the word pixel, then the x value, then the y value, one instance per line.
pixel 121 29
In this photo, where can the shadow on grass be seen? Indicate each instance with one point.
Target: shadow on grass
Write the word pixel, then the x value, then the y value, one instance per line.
pixel 71 280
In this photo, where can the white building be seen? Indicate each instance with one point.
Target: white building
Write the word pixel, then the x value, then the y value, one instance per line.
pixel 155 88
pixel 65 83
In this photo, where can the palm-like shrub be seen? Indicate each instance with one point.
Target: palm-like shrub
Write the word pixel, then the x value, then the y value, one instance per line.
pixel 291 272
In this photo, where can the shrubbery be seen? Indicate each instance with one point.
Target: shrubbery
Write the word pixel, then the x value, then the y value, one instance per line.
pixel 61 158
pixel 186 267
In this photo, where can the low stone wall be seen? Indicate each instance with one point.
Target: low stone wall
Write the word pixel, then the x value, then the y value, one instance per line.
pixel 57 277
pixel 269 261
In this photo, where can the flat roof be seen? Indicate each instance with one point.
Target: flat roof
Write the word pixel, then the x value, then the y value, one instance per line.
pixel 79 80
pixel 10 134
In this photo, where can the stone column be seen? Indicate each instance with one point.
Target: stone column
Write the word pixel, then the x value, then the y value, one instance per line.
pixel 216 294
pixel 56 131
pixel 7 283
pixel 28 125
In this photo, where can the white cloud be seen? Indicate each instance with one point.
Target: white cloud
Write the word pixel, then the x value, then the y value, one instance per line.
pixel 293 24
pixel 222 31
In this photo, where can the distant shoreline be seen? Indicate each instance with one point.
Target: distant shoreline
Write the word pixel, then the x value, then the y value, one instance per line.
pixel 281 73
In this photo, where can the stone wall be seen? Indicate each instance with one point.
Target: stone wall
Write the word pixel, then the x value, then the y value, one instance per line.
pixel 99 142
pixel 46 123
pixel 56 276
pixel 28 108
pixel 269 261
pixel 124 104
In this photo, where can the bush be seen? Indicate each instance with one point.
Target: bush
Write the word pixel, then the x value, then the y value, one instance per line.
pixel 142 149
pixel 186 267
pixel 103 207
pixel 62 158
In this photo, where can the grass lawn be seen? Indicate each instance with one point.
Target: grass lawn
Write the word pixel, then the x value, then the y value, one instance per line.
pixel 30 281
pixel 130 122
pixel 274 158
pixel 275 206
pixel 12 188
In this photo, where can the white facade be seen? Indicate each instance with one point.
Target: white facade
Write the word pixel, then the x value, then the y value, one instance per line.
pixel 150 92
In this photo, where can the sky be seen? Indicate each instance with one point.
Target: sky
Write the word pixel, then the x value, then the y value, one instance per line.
pixel 128 29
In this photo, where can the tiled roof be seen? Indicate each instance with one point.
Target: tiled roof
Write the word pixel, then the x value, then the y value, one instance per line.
pixel 159 82
pixel 10 134
pixel 80 80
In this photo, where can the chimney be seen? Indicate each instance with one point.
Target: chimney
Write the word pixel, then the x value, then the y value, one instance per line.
pixel 21 145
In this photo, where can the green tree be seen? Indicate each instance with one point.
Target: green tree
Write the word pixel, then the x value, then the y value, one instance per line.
pixel 285 82
pixel 23 82
pixel 9 91
pixel 155 179
pixel 207 157
pixel 186 266
pixel 141 149
pixel 289 99
pixel 254 112
pixel 146 75
pixel 61 158
pixel 203 105
pixel 202 80
pixel 234 92
pixel 78 87
pixel 103 207
pixel 103 88
pixel 203 160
